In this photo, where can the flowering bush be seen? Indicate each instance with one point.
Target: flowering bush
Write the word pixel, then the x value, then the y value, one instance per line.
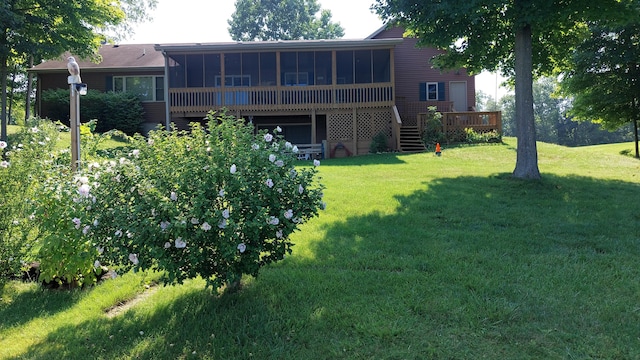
pixel 215 202
pixel 22 166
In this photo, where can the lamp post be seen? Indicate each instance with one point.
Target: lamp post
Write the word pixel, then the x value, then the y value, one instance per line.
pixel 76 88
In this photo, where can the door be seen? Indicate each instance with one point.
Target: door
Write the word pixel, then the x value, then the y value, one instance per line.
pixel 458 95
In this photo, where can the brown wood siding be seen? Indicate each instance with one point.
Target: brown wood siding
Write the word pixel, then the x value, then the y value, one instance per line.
pixel 413 66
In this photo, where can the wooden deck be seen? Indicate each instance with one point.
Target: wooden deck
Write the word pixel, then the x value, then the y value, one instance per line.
pixel 187 101
pixel 479 121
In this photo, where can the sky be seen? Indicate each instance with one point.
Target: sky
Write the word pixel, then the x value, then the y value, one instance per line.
pixel 190 21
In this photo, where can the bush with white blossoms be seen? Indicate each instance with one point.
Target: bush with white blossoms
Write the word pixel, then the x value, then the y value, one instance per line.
pixel 216 202
pixel 23 163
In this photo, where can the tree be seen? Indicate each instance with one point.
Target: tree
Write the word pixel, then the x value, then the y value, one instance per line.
pixel 46 29
pixel 282 20
pixel 605 79
pixel 479 35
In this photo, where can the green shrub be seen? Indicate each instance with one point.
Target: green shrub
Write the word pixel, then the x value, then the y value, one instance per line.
pixel 474 137
pixel 215 202
pixel 113 110
pixel 379 143
pixel 432 127
pixel 23 163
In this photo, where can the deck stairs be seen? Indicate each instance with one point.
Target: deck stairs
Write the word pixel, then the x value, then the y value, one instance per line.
pixel 410 140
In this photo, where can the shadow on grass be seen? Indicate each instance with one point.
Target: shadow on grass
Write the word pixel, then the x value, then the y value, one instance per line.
pixel 467 267
pixel 35 302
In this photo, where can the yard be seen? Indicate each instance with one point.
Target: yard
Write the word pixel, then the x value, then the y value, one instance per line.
pixel 416 256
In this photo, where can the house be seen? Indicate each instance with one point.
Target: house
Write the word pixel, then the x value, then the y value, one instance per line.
pixel 339 93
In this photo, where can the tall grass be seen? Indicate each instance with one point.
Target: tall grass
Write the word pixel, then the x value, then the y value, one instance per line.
pixel 416 256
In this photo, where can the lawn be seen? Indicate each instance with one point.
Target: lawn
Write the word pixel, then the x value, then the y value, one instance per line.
pixel 417 256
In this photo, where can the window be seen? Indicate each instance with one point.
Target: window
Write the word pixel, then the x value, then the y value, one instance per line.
pixel 148 88
pixel 432 91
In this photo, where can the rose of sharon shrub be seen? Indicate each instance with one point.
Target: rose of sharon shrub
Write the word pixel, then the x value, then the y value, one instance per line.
pixel 214 202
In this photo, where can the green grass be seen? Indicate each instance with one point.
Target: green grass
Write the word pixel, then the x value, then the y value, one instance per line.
pixel 416 256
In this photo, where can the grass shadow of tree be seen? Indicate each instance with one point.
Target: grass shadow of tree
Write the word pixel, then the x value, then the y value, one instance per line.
pixel 467 267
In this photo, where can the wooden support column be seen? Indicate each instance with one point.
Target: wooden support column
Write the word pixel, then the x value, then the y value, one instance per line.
pixel 313 126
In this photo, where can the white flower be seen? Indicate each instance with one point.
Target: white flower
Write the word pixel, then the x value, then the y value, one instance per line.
pixel 133 258
pixel 164 225
pixel 279 234
pixel 274 220
pixel 173 196
pixel 288 214
pixel 135 152
pixel 180 244
pixel 300 189
pixel 221 193
pixel 76 222
pixel 295 149
pixel 278 129
pixel 129 234
pixel 83 180
pixel 269 183
pixel 34 130
pixel 222 224
pixel 255 147
pixel 268 137
pixel 100 250
pixel 85 230
pixel 150 141
pixel 195 221
pixel 95 222
pixel 242 247
pixel 205 226
pixel 167 245
pixel 316 162
pixel 288 145
pixel 3 145
pixel 233 169
pixel 225 213
pixel 84 190
pixel 272 157
pixel 118 233
pixel 96 264
pixel 5 164
pixel 279 163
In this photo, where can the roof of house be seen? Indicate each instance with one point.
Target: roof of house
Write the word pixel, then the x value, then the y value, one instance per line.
pixel 279 45
pixel 114 57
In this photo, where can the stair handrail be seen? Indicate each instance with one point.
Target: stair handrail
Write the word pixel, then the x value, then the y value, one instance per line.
pixel 397 124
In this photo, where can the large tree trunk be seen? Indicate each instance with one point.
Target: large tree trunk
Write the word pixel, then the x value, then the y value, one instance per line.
pixel 3 112
pixel 527 153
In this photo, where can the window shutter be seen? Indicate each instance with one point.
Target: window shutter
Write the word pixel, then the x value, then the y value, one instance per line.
pixel 423 91
pixel 108 83
pixel 441 91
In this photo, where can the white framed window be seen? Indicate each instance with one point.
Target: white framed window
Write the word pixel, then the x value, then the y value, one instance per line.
pixel 234 80
pixel 432 91
pixel 148 88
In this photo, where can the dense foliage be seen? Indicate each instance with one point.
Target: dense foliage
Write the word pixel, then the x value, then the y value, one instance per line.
pixel 112 110
pixel 282 20
pixel 22 165
pixel 214 202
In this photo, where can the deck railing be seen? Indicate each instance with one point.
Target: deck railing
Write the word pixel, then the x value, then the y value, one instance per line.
pixel 201 100
pixel 479 121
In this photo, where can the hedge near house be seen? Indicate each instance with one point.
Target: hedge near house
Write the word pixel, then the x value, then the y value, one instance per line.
pixel 113 110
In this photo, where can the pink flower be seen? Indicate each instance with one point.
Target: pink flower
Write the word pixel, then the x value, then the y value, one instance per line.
pixel 288 214
pixel 274 220
pixel 76 222
pixel 180 244
pixel 268 137
pixel 84 190
pixel 269 183
pixel 4 164
pixel 133 258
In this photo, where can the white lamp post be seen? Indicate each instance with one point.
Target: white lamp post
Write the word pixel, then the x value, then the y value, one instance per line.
pixel 76 88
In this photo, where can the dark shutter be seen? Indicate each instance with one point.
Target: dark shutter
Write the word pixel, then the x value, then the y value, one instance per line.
pixel 441 91
pixel 423 91
pixel 108 83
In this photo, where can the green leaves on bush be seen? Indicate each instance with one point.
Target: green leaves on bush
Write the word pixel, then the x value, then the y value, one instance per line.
pixel 113 110
pixel 216 202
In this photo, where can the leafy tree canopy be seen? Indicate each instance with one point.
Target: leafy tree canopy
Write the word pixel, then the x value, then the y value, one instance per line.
pixel 282 20
pixel 605 77
pixel 45 29
pixel 522 38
